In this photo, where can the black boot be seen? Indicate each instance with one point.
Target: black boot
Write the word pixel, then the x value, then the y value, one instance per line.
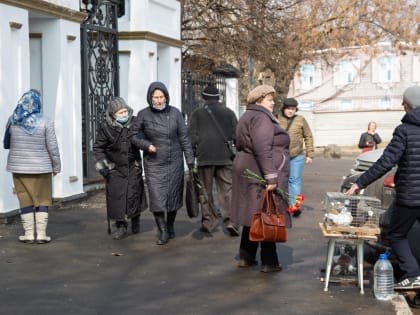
pixel 163 231
pixel 121 231
pixel 135 224
pixel 170 224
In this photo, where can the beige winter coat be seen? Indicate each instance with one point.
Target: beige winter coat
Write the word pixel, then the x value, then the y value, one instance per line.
pixel 300 134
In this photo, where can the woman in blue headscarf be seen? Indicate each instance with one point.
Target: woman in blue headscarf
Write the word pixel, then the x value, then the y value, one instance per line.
pixel 33 158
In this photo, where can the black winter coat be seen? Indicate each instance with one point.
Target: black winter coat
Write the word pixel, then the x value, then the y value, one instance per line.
pixel 373 139
pixel 207 141
pixel 164 170
pixel 125 187
pixel 404 151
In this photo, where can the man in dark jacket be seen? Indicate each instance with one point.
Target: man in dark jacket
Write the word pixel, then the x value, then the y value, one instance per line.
pixel 211 128
pixel 404 151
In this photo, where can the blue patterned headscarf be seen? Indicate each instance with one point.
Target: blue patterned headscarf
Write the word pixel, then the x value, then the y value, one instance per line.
pixel 27 114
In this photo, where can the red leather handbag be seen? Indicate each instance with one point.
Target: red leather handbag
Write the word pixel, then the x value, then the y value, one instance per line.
pixel 268 225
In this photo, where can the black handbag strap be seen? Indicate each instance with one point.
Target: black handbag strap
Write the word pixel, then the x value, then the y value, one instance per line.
pixel 219 129
pixel 289 122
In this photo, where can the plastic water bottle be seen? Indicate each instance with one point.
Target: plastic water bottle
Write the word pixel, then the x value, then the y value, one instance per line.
pixel 383 281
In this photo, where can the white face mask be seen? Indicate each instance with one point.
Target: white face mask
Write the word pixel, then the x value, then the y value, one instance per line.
pixel 122 119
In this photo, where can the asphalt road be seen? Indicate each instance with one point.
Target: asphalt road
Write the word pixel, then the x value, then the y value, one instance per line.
pixel 83 271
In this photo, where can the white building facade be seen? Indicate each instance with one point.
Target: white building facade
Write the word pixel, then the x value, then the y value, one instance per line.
pixel 150 49
pixel 40 48
pixel 339 99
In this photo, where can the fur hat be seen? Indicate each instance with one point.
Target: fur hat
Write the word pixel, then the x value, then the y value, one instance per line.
pixel 210 92
pixel 411 96
pixel 259 92
pixel 290 102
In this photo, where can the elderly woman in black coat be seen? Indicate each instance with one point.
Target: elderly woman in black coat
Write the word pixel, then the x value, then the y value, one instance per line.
pixel 160 131
pixel 120 163
pixel 263 147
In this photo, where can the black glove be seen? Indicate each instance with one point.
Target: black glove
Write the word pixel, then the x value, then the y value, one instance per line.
pixel 104 172
pixel 191 166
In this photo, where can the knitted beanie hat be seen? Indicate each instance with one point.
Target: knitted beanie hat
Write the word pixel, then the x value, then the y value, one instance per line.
pixel 411 96
pixel 115 104
pixel 210 92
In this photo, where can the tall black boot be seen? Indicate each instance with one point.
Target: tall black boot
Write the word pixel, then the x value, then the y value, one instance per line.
pixel 135 224
pixel 170 223
pixel 163 231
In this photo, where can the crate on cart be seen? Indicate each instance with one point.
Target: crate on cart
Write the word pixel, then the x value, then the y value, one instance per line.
pixel 353 214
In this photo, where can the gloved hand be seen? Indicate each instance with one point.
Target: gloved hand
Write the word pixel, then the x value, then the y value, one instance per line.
pixel 191 166
pixel 104 172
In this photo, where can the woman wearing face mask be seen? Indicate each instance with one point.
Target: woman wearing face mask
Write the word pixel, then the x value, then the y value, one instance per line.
pixel 119 162
pixel 160 131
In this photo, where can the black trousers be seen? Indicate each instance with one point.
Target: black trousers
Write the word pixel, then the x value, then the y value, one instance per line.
pixel 402 220
pixel 248 249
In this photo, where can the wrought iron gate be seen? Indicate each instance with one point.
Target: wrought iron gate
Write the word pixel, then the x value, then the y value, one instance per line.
pixel 100 71
pixel 192 86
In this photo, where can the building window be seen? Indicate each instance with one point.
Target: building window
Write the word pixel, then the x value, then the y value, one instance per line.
pixel 385 69
pixel 347 72
pixel 346 104
pixel 307 75
pixel 385 102
pixel 306 106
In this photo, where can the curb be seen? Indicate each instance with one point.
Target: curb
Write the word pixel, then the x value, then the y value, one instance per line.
pixel 400 304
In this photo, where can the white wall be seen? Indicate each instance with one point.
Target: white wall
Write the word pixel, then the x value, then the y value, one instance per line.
pixel 61 91
pixel 14 80
pixel 162 17
pixel 232 95
pixel 169 72
pixel 147 60
pixel 57 70
pixel 344 129
pixel 124 63
pixel 142 70
pixel 61 75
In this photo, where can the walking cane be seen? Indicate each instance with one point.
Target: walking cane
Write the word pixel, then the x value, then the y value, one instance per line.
pixel 107 206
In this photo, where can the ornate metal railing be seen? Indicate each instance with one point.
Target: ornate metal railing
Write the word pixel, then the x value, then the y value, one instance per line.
pixel 100 70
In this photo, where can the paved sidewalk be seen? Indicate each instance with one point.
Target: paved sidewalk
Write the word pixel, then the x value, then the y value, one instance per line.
pixel 84 271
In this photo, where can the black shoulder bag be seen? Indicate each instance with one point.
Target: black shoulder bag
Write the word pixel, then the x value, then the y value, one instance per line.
pixel 231 146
